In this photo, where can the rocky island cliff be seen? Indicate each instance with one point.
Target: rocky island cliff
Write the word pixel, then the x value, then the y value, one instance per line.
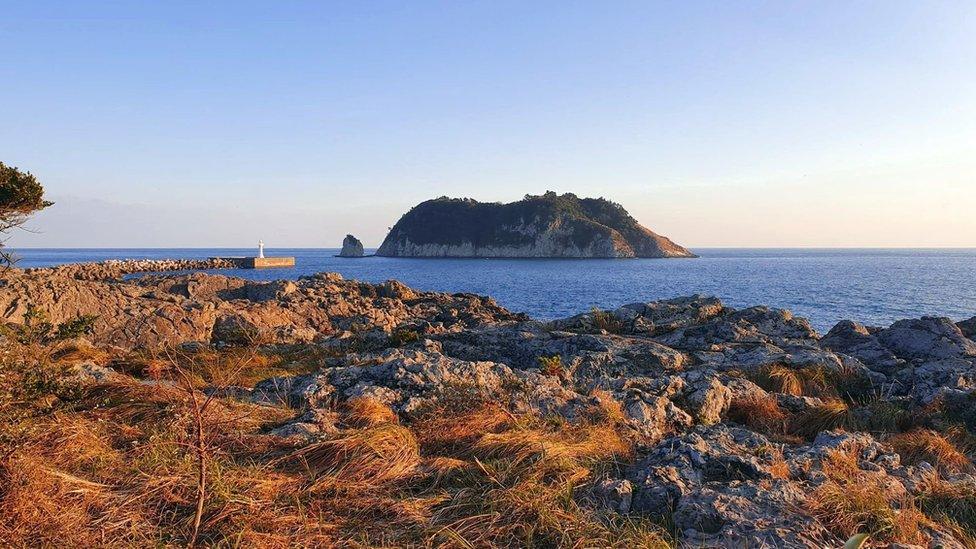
pixel 351 247
pixel 549 225
pixel 342 413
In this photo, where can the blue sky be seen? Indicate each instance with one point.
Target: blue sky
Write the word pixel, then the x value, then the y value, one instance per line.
pixel 717 123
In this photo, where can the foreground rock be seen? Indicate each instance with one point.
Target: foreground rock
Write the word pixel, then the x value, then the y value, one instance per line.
pixel 550 225
pixel 730 487
pixel 749 428
pixel 351 247
pixel 968 328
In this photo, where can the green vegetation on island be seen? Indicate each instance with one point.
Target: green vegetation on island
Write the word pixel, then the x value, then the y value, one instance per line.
pixel 548 225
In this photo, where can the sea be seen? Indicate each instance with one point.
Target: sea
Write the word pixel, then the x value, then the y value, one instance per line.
pixel 873 286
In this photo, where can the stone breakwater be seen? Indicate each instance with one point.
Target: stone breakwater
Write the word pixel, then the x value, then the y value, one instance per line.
pixel 749 426
pixel 117 268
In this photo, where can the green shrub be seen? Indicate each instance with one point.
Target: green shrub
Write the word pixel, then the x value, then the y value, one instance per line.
pixel 81 325
pixel 552 366
pixel 602 320
pixel 401 337
pixel 20 196
pixel 37 329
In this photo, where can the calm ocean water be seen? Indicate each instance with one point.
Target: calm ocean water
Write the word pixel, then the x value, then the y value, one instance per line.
pixel 873 286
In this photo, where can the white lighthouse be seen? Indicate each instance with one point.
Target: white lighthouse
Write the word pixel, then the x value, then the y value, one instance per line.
pixel 260 261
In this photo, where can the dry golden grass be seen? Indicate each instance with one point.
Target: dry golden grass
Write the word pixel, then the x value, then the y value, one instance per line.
pixel 778 378
pixel 952 506
pixel 779 469
pixel 521 492
pixel 586 443
pixel 370 456
pixel 367 412
pixel 112 468
pixel 854 501
pixel 115 464
pixel 815 381
pixel 607 409
pixel 440 468
pixel 79 351
pixel 921 445
pixel 832 414
pixel 864 508
pixel 74 490
pixel 54 486
pixel 762 414
pixel 449 431
pixel 233 366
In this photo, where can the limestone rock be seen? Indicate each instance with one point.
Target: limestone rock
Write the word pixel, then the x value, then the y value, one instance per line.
pixel 968 328
pixel 409 379
pixel 614 494
pixel 720 487
pixel 234 329
pixel 155 310
pixel 752 326
pixel 862 343
pixel 707 397
pixel 927 338
pixel 351 247
pixel 590 360
pixel 652 318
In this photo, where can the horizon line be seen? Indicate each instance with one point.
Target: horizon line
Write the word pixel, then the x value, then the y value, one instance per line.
pixel 14 249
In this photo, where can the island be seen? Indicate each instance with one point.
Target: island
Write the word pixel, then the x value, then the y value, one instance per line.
pixel 351 247
pixel 548 225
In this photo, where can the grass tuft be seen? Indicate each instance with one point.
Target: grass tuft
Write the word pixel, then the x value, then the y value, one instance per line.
pixel 952 506
pixel 856 501
pixel 762 414
pixel 363 412
pixel 921 445
pixel 370 456
pixel 832 414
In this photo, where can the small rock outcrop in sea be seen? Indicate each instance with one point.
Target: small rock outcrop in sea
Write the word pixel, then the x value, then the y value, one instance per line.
pixel 549 225
pixel 749 428
pixel 351 247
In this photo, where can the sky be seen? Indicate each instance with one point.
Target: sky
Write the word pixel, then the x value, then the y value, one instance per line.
pixel 740 124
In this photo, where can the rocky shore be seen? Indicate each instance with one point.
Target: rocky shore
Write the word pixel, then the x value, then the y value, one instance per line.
pixel 748 428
